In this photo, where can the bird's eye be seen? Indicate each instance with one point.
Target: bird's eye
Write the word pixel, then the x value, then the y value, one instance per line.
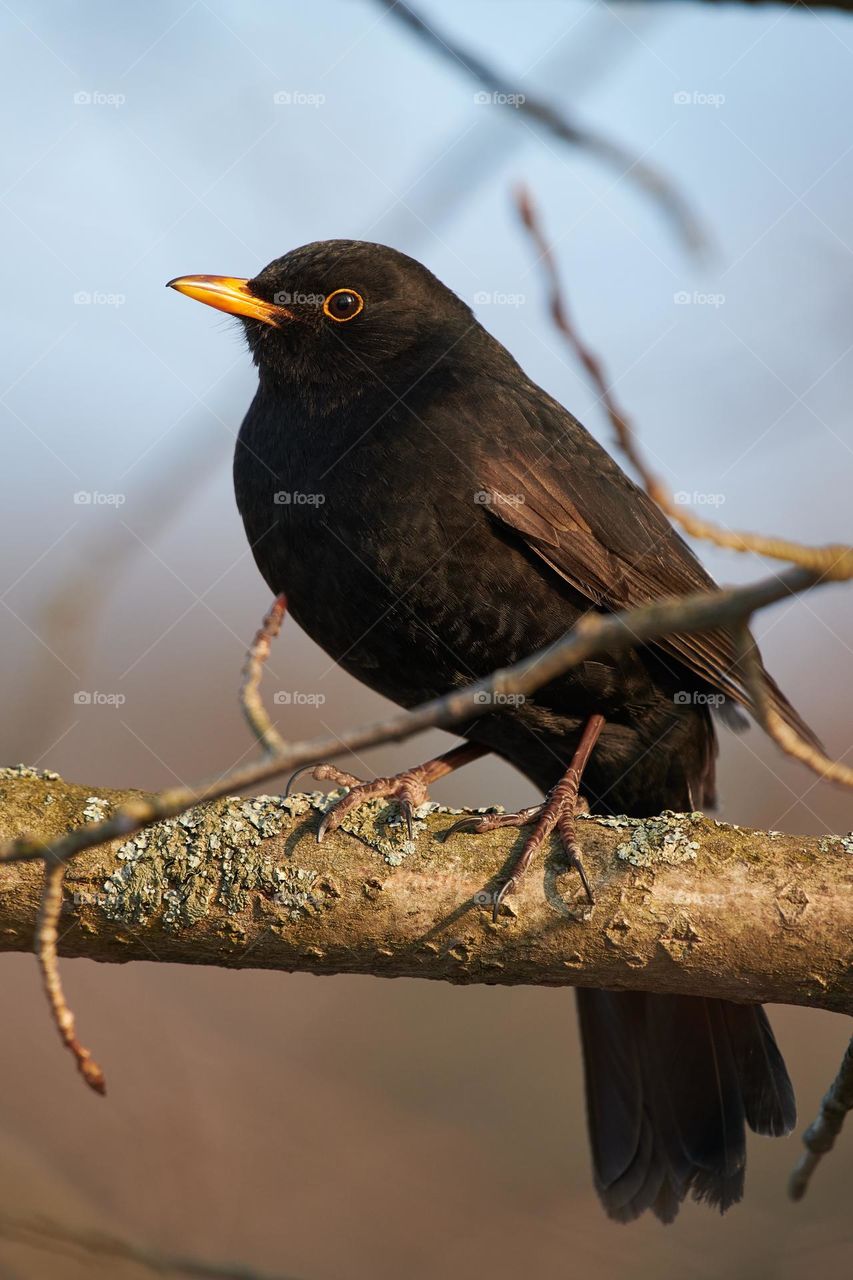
pixel 343 304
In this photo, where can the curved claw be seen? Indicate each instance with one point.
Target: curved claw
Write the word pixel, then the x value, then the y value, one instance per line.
pixel 576 862
pixel 306 768
pixel 408 813
pixel 464 824
pixel 328 824
pixel 499 897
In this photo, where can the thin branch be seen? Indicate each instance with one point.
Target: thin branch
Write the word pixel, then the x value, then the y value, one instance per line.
pixel 46 934
pixel 800 6
pixel 545 115
pixel 44 1233
pixel 250 698
pixel 749 665
pixel 820 1136
pixel 594 635
pixel 832 563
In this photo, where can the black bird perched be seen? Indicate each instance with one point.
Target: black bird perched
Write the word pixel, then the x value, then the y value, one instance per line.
pixel 431 514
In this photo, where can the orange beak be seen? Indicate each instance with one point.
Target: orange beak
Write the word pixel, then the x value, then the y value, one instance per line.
pixel 228 293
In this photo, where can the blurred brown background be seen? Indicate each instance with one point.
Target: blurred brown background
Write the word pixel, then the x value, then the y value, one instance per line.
pixel 351 1127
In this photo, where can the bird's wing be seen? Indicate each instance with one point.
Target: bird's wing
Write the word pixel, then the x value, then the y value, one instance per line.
pixel 563 494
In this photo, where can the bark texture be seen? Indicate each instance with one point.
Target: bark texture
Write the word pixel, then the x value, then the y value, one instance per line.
pixel 683 903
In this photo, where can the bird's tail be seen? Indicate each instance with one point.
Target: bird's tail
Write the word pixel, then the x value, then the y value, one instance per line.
pixel 671 1084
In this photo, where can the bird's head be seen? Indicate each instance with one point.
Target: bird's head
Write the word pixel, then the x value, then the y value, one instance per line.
pixel 339 310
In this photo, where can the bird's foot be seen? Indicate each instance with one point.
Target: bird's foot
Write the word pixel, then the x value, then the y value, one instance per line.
pixel 560 810
pixel 410 789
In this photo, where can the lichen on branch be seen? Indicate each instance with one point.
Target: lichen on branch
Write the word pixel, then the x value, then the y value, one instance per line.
pixel 683 903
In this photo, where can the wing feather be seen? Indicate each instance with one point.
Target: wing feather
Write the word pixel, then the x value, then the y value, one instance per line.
pixel 558 490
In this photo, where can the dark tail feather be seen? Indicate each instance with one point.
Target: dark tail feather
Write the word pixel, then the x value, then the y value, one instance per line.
pixel 767 1092
pixel 671 1083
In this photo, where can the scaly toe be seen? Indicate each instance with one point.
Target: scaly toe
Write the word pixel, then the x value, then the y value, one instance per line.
pixel 475 825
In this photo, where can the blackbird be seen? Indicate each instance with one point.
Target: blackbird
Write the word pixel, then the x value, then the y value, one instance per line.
pixel 431 514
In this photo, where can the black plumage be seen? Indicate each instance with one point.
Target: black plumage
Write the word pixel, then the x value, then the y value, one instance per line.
pixel 431 514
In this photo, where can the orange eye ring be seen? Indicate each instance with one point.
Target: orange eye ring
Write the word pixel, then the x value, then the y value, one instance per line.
pixel 329 305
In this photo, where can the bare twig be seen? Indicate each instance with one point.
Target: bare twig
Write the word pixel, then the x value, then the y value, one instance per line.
pixel 44 1233
pixel 250 699
pixel 749 666
pixel 820 1136
pixel 545 115
pixel 46 934
pixel 70 611
pixel 788 5
pixel 832 563
pixel 595 634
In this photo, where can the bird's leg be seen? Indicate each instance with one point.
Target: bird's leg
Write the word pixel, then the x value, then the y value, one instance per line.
pixel 409 789
pixel 559 810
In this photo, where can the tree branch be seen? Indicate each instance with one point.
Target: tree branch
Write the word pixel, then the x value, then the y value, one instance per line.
pixel 801 6
pixel 833 563
pixel 506 93
pixel 594 634
pixel 683 903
